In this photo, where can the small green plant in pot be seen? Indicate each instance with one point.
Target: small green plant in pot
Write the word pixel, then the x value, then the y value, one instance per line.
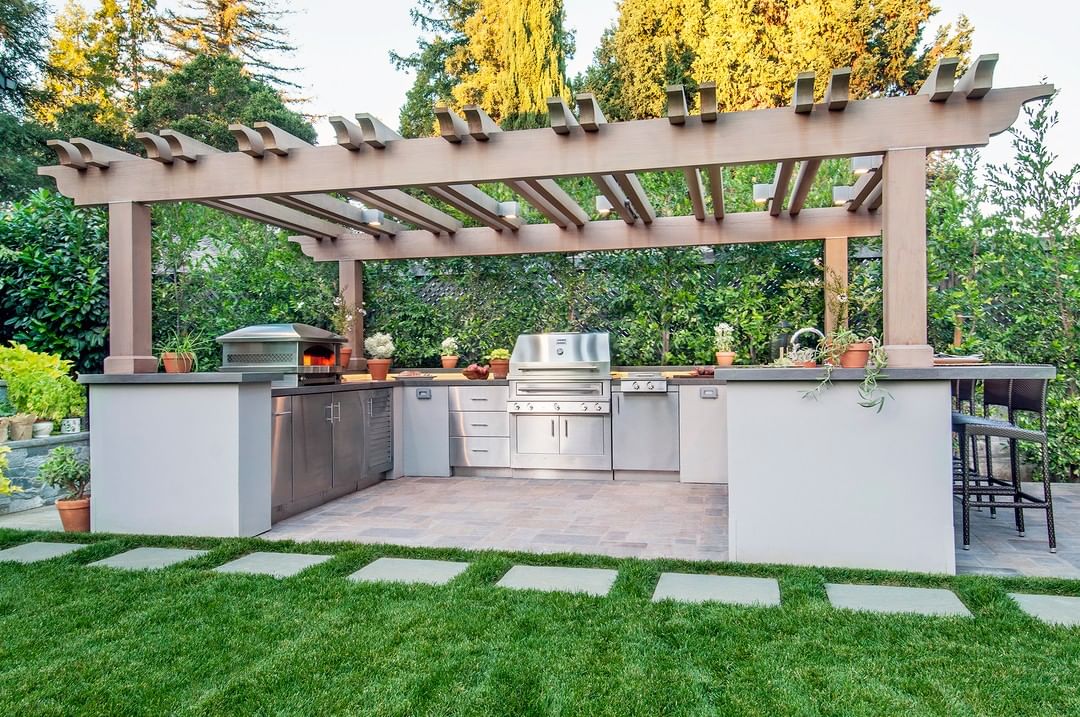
pixel 179 352
pixel 724 338
pixel 843 348
pixel 343 320
pixel 448 352
pixel 499 360
pixel 381 349
pixel 43 396
pixel 65 470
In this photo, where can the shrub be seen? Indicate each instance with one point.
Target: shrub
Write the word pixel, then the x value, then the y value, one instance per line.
pixel 40 384
pixel 66 471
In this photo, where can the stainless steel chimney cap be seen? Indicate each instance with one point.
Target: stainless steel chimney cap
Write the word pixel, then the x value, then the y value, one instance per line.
pixel 281 332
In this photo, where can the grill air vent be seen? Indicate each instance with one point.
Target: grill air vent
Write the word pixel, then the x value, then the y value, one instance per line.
pixel 252 358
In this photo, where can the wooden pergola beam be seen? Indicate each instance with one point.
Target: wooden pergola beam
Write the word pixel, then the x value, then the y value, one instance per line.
pixel 863 188
pixel 676 104
pixel 979 78
pixel 707 101
pixel 560 199
pixel 803 97
pixel 744 227
pixel 836 94
pixel 804 181
pixel 590 116
pixel 267 212
pixel 376 134
pixel 696 191
pixel 867 127
pixel 781 183
pixel 335 210
pixel 477 204
pixel 560 117
pixel 409 208
pixel 716 189
pixel 631 187
pixel 452 127
pixel 481 126
pixel 611 191
pixel 939 84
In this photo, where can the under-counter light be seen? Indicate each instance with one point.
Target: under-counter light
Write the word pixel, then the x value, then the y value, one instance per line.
pixel 603 206
pixel 371 217
pixel 763 193
pixel 842 195
pixel 508 210
pixel 864 164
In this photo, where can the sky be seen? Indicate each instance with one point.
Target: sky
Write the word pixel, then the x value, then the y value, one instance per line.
pixel 343 49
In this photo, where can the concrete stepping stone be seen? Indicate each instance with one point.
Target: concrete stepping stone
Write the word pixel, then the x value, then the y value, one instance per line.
pixel 685 587
pixel 1051 609
pixel 279 565
pixel 148 558
pixel 892 599
pixel 591 581
pixel 407 570
pixel 33 552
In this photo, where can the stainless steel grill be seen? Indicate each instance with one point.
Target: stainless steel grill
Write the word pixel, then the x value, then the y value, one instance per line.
pixel 305 354
pixel 560 404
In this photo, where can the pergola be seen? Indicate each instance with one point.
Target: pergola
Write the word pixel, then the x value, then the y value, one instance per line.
pixel 277 178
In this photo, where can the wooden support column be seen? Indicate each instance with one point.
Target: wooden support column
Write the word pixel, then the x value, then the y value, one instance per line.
pixel 351 286
pixel 904 258
pixel 130 333
pixel 836 265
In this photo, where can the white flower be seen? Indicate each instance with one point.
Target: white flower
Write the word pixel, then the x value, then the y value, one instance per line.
pixel 380 346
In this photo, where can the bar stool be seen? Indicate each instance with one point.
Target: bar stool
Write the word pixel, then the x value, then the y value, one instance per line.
pixel 1018 395
pixel 963 395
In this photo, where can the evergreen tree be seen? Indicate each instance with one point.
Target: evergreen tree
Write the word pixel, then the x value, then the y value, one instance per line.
pixel 244 29
pixel 23 36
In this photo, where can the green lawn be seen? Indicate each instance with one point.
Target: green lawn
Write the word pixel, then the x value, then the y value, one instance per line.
pixel 185 641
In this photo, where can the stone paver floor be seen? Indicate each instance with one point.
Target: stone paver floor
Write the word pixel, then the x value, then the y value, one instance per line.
pixel 617 518
pixel 33 552
pixel 279 565
pixel 684 587
pixel 1051 609
pixel 591 581
pixel 409 570
pixel 893 599
pixel 148 558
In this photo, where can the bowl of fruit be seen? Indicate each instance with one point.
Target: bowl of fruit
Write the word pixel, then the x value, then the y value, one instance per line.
pixel 476 372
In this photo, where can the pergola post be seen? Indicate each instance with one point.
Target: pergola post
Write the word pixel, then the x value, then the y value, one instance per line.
pixel 351 286
pixel 130 333
pixel 836 278
pixel 903 251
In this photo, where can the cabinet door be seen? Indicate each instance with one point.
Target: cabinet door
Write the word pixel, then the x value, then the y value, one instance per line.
pixel 378 435
pixel 537 434
pixel 645 431
pixel 582 436
pixel 281 452
pixel 349 407
pixel 313 445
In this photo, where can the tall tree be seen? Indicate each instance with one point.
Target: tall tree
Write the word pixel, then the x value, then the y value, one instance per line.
pixel 753 49
pixel 23 37
pixel 245 29
pixel 201 98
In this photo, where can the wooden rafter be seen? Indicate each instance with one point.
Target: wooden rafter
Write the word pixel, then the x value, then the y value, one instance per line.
pixel 939 84
pixel 277 215
pixel 979 78
pixel 590 116
pixel 803 97
pixel 707 101
pixel 836 94
pixel 781 182
pixel 561 118
pixel 676 104
pixel 804 181
pixel 635 193
pixel 560 199
pixel 614 194
pixel 410 209
pixel 476 203
pixel 744 227
pixel 863 188
pixel 696 191
pixel 716 189
pixel 481 126
pixel 335 210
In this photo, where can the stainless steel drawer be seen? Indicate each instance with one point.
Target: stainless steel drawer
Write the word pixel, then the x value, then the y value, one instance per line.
pixel 479 423
pixel 478 398
pixel 480 452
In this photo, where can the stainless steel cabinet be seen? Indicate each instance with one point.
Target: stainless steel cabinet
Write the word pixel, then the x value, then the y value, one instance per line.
pixel 281 451
pixel 378 434
pixel 645 431
pixel 582 436
pixel 313 445
pixel 347 411
pixel 536 435
pixel 426 428
pixel 558 442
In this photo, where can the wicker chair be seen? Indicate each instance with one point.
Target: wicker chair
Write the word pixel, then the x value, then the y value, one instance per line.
pixel 1018 395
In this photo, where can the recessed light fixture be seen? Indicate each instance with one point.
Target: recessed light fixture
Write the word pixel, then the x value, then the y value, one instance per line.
pixel 862 165
pixel 842 195
pixel 763 193
pixel 508 210
pixel 603 206
pixel 371 217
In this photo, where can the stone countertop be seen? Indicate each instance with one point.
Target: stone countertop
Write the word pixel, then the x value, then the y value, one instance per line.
pixel 178 378
pixel 933 373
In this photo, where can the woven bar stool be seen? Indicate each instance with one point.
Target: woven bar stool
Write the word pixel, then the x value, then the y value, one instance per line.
pixel 1021 395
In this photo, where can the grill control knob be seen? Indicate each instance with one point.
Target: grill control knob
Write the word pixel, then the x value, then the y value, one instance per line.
pixel 556 407
pixel 649 386
pixel 528 406
pixel 599 407
pixel 517 406
pixel 636 385
pixel 584 407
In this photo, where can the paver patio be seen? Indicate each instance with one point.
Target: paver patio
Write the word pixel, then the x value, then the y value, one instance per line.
pixel 148 558
pixel 894 599
pixel 409 570
pixel 278 565
pixel 591 581
pixel 684 587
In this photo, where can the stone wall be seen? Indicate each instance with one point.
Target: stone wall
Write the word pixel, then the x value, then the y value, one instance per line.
pixel 24 461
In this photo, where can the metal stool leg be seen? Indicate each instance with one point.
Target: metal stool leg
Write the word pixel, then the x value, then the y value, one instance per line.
pixel 1014 467
pixel 964 490
pixel 1050 534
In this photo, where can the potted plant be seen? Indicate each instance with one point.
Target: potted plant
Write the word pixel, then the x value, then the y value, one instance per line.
pixel 845 349
pixel 65 470
pixel 76 409
pixel 799 358
pixel 448 351
pixel 725 342
pixel 499 360
pixel 179 352
pixel 380 348
pixel 343 319
pixel 41 395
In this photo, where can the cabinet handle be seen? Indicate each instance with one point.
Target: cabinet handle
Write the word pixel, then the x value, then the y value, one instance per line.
pixel 477 399
pixel 553 427
pixel 329 409
pixel 479 450
pixel 478 425
pixel 566 428
pixel 618 403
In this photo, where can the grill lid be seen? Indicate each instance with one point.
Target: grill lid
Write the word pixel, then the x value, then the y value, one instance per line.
pixel 280 332
pixel 561 355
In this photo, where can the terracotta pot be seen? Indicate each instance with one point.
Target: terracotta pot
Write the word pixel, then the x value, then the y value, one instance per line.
pixel 177 362
pixel 499 367
pixel 725 358
pixel 856 355
pixel 809 364
pixel 449 361
pixel 75 515
pixel 346 354
pixel 378 368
